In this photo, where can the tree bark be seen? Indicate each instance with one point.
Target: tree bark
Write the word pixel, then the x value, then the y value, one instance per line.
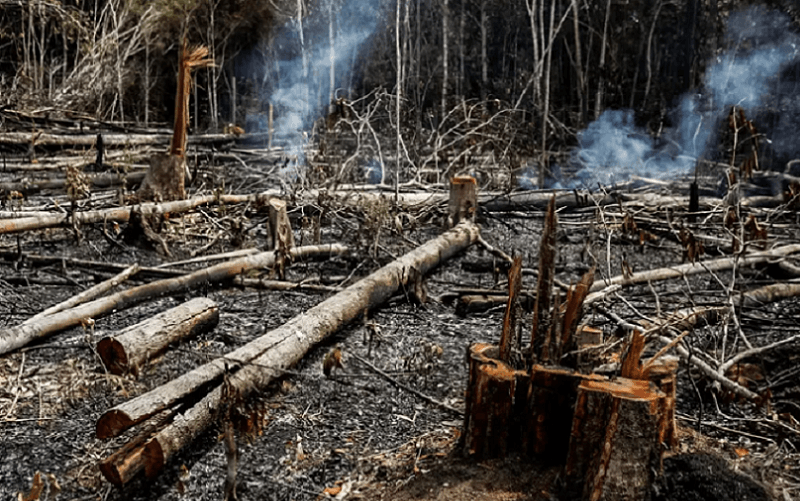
pixel 134 346
pixel 268 356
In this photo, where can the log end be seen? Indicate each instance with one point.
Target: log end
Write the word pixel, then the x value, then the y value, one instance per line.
pixel 120 468
pixel 112 423
pixel 154 458
pixel 113 355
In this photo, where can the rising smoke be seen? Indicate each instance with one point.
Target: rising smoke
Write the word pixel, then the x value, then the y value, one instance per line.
pixel 760 42
pixel 332 33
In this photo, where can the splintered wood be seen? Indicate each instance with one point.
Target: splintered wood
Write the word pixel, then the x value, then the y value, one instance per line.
pixel 608 434
pixel 166 177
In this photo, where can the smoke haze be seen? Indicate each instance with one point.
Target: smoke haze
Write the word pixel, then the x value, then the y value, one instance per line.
pixel 760 45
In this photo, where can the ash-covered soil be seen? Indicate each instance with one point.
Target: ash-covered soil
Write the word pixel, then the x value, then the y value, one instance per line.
pixel 355 435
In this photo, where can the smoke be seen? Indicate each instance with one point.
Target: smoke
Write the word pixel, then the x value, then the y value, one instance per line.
pixel 613 148
pixel 333 31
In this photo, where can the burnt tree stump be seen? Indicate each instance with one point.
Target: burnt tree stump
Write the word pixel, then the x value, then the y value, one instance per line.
pixel 493 406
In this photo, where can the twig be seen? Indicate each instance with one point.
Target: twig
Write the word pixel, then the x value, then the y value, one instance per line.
pixel 494 250
pixel 407 388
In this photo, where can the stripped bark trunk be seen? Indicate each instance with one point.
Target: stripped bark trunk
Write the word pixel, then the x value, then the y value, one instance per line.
pixel 134 346
pixel 268 356
pixel 12 338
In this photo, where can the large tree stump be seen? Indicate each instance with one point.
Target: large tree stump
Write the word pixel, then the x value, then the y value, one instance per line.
pixel 615 450
pixel 136 345
pixel 551 404
pixel 494 404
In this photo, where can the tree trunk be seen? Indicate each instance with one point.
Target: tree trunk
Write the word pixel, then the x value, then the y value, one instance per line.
pixel 12 338
pixel 134 346
pixel 284 346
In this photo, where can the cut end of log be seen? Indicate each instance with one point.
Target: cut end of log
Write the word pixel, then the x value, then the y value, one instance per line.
pixel 637 390
pixel 113 423
pixel 113 355
pixel 120 468
pixel 154 458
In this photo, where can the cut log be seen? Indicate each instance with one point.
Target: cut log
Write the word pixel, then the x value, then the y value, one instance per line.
pixel 614 450
pixel 284 346
pixel 463 200
pixel 134 346
pixel 12 338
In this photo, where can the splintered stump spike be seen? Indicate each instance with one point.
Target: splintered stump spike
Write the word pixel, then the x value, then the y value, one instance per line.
pixel 509 338
pixel 615 450
pixel 544 287
pixel 134 346
pixel 463 200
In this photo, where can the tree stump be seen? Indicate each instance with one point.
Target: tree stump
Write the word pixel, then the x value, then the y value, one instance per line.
pixel 494 405
pixel 551 403
pixel 280 229
pixel 615 449
pixel 463 200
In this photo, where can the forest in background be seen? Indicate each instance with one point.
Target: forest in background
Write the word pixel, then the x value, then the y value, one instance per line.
pixel 517 80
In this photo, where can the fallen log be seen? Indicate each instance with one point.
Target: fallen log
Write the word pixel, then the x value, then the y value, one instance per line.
pixel 120 214
pixel 134 346
pixel 265 358
pixel 89 294
pixel 12 338
pixel 27 188
pixel 723 263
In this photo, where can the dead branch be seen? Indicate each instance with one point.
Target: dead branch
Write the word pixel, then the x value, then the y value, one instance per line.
pixel 12 338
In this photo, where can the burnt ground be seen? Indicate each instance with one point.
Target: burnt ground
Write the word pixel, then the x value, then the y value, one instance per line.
pixel 356 434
